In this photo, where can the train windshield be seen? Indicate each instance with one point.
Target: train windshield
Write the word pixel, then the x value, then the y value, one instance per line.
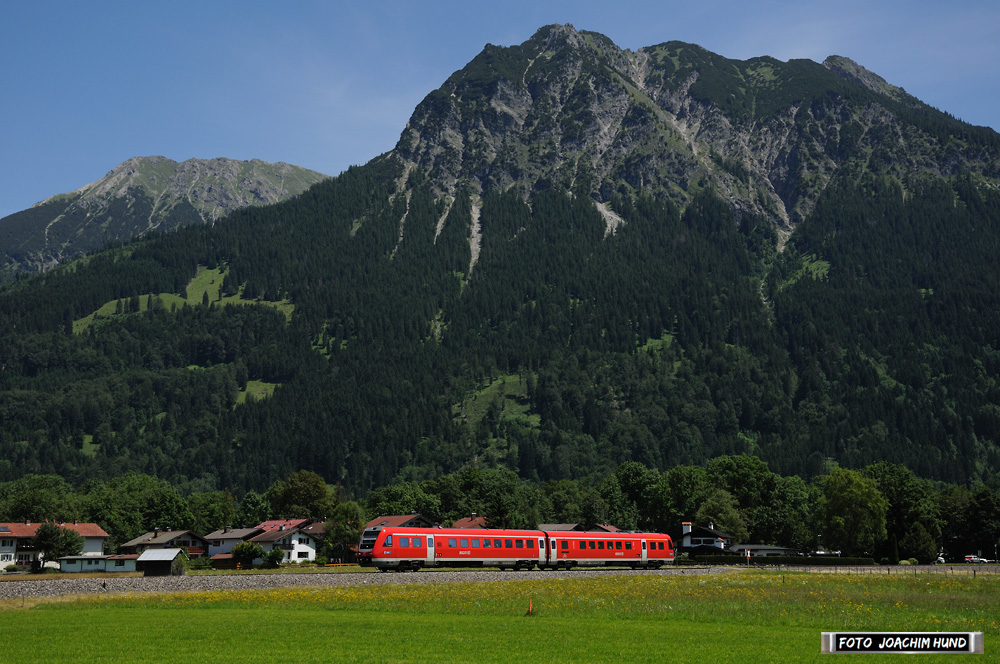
pixel 368 540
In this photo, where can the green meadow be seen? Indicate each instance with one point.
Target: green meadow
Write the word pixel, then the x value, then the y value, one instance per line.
pixel 744 616
pixel 207 282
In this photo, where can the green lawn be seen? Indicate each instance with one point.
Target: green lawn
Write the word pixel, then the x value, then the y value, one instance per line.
pixel 738 616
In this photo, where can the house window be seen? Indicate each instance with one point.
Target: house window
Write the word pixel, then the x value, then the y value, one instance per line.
pixel 303 554
pixel 119 563
pixel 6 543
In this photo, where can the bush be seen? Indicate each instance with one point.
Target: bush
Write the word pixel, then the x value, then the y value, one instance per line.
pixel 246 552
pixel 321 560
pixel 12 568
pixel 274 557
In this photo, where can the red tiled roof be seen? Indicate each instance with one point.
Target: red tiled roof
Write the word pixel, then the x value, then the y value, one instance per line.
pixel 396 520
pixel 27 530
pixel 471 522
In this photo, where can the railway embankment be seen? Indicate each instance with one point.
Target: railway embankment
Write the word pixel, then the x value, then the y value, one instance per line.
pixel 52 586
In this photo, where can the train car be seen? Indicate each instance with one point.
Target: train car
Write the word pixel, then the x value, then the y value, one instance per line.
pixel 599 549
pixel 412 548
pixel 400 548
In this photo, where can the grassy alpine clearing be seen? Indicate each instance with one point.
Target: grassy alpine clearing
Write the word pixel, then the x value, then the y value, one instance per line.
pixel 754 616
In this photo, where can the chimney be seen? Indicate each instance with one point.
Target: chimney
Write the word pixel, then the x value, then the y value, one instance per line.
pixel 282 527
pixel 711 525
pixel 685 528
pixel 227 529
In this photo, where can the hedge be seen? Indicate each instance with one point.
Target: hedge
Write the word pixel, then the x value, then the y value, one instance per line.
pixel 782 560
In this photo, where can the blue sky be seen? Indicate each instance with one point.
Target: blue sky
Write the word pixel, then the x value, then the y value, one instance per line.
pixel 86 85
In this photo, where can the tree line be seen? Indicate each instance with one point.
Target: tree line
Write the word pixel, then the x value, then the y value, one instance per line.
pixel 882 511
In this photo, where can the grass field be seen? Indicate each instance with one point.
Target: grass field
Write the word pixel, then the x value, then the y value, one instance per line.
pixel 738 616
pixel 205 282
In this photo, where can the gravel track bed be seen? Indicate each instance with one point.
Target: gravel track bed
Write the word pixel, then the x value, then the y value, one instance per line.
pixel 173 584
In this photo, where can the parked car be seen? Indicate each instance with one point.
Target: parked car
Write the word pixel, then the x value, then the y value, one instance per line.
pixel 975 559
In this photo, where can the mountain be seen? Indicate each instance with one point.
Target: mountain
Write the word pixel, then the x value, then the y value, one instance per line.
pixel 669 120
pixel 140 195
pixel 576 256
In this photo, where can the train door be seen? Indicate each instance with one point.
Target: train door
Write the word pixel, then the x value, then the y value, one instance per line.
pixel 542 555
pixel 643 547
pixel 429 560
pixel 552 553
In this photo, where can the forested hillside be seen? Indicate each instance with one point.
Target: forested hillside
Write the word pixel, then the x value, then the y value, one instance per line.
pixel 834 303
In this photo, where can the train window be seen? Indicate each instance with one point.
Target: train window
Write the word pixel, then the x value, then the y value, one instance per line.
pixel 600 545
pixel 416 541
pixel 475 543
pixel 643 546
pixel 430 542
pixel 508 544
pixel 486 544
pixel 519 543
pixel 628 546
pixel 463 543
pixel 452 542
pixel 661 546
pixel 531 544
pixel 388 540
pixel 618 545
pixel 404 541
pixel 593 544
pixel 497 544
pixel 565 545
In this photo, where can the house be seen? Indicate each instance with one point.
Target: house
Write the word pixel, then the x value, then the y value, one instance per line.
pixel 703 540
pixel 160 562
pixel 577 527
pixel 17 541
pixel 223 541
pixel 472 521
pixel 401 521
pixel 296 543
pixel 103 564
pixel 605 527
pixel 196 545
pixel 558 527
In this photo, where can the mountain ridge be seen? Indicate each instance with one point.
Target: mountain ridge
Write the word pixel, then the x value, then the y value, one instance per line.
pixel 657 119
pixel 140 195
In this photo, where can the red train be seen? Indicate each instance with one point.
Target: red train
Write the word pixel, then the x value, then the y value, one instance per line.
pixel 412 548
